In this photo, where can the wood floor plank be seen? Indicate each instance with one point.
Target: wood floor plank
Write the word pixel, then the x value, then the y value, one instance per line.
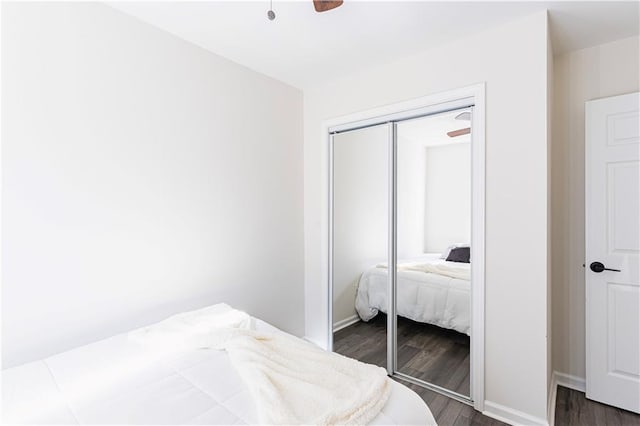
pixel 574 409
pixel 450 413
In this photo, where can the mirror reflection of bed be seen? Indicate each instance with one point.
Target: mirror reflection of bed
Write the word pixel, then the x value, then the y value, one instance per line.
pixel 432 325
pixel 433 233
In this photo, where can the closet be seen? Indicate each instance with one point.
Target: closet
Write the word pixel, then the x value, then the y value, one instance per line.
pixel 401 255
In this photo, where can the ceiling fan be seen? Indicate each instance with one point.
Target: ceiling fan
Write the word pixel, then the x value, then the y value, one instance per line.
pixel 318 5
pixel 464 131
pixel 324 5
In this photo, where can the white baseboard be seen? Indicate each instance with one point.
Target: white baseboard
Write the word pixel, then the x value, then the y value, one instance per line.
pixel 511 416
pixel 321 345
pixel 570 381
pixel 339 325
pixel 566 380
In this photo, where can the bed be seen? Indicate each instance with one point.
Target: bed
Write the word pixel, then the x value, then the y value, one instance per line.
pixel 116 381
pixel 429 290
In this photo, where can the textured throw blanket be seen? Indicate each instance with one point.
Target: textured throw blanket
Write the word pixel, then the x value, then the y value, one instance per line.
pixel 295 382
pixel 291 380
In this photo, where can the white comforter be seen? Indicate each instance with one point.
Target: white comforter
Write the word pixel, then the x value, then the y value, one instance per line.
pixel 120 381
pixel 434 292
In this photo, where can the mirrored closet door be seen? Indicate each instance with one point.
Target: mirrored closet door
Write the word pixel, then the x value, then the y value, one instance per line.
pixel 401 195
pixel 433 273
pixel 360 241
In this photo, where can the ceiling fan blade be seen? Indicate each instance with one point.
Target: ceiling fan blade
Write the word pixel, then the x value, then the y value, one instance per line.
pixel 466 115
pixel 324 5
pixel 459 132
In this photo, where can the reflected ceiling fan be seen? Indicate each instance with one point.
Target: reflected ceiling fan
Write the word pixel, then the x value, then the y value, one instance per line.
pixel 318 5
pixel 464 131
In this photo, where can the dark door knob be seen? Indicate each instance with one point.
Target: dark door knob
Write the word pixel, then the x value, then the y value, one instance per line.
pixel 599 267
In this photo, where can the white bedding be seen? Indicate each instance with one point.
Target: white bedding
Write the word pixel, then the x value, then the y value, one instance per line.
pixel 427 292
pixel 119 381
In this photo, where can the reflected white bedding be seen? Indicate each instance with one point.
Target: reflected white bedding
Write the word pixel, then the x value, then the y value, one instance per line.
pixel 119 381
pixel 427 292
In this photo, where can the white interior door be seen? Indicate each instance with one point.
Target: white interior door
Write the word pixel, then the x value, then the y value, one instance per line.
pixel 613 242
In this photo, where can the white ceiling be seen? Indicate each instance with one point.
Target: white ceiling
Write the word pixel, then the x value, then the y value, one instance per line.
pixel 432 130
pixel 302 47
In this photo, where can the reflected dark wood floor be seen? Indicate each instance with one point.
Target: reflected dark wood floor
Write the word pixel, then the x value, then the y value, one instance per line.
pixel 434 354
pixel 573 409
pixel 364 341
pixel 431 353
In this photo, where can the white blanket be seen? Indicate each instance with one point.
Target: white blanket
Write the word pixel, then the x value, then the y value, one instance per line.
pixel 458 270
pixel 427 292
pixel 295 382
pixel 292 381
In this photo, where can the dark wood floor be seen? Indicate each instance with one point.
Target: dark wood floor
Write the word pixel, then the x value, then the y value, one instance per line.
pixel 573 409
pixel 431 353
pixel 449 412
pixel 442 357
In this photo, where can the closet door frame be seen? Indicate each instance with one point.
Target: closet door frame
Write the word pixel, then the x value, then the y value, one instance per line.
pixel 470 96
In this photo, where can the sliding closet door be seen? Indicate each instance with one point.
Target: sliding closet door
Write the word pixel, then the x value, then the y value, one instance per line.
pixel 433 286
pixel 360 219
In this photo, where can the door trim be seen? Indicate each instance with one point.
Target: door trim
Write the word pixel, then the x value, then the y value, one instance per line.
pixel 473 95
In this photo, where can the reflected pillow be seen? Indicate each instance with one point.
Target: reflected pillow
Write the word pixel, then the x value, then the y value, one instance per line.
pixel 448 250
pixel 459 254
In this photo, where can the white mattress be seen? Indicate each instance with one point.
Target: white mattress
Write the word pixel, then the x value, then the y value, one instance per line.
pixel 116 381
pixel 425 297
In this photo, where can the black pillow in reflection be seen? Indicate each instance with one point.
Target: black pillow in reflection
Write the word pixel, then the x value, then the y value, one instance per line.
pixel 459 254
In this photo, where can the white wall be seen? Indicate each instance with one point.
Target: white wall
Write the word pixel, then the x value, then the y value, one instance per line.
pixel 447 196
pixel 606 70
pixel 411 163
pixel 512 60
pixel 550 148
pixel 142 176
pixel 360 211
